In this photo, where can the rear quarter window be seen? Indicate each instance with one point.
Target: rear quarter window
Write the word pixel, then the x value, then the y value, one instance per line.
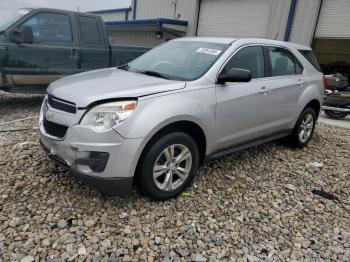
pixel 310 56
pixel 90 34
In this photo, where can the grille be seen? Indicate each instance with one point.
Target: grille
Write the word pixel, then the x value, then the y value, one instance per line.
pixel 54 129
pixel 62 105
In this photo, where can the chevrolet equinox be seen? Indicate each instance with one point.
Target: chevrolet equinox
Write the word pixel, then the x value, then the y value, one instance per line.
pixel 153 121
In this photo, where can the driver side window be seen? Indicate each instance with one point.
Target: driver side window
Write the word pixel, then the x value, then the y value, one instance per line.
pixel 249 58
pixel 50 27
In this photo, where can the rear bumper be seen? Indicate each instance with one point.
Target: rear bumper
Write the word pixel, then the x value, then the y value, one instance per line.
pixel 119 186
pixel 337 109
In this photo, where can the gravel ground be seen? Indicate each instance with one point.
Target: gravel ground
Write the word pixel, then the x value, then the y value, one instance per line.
pixel 252 206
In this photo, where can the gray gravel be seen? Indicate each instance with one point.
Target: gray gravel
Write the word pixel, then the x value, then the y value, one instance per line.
pixel 252 206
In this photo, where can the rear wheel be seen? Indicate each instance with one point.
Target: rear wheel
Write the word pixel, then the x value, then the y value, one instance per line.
pixel 169 165
pixel 335 114
pixel 304 128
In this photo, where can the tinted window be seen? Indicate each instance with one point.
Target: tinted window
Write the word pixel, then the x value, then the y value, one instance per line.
pixel 249 58
pixel 50 27
pixel 283 62
pixel 89 30
pixel 310 56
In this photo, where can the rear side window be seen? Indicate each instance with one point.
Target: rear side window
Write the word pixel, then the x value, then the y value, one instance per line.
pixel 90 34
pixel 250 58
pixel 310 56
pixel 283 62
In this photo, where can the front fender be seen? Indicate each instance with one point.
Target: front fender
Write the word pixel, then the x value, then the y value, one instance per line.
pixel 153 114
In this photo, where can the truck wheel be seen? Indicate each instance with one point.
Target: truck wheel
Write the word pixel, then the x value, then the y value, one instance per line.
pixel 335 114
pixel 303 129
pixel 169 165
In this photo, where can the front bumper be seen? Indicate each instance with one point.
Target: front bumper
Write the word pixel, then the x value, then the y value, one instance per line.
pixel 102 159
pixel 110 186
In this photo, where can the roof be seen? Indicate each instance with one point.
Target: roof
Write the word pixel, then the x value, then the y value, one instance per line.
pixel 220 40
pixel 146 22
pixel 44 9
pixel 245 40
pixel 106 11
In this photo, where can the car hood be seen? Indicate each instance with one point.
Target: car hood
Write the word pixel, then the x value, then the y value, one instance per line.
pixel 86 88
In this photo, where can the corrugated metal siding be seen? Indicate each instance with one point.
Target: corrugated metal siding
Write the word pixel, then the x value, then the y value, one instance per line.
pixel 278 19
pixel 305 21
pixel 147 9
pixel 114 16
pixel 334 21
pixel 234 18
pixel 136 38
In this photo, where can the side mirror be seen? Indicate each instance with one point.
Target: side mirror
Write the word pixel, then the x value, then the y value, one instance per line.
pixel 235 75
pixel 23 34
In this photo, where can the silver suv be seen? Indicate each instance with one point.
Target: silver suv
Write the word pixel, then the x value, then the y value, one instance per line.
pixel 153 121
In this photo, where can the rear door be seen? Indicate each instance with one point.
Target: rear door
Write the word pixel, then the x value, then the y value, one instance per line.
pixel 243 109
pixel 286 82
pixel 49 57
pixel 94 53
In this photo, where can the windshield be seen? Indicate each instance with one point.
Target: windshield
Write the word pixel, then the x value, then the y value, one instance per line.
pixel 5 23
pixel 178 60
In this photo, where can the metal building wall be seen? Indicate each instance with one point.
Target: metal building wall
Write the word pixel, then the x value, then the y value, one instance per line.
pixel 278 19
pixel 304 22
pixel 114 16
pixel 136 38
pixel 334 19
pixel 303 27
pixel 187 9
pixel 234 18
pixel 254 18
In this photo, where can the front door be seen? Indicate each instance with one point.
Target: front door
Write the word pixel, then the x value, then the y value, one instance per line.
pixel 50 56
pixel 243 109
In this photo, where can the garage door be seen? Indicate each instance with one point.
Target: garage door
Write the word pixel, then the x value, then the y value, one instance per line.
pixel 334 20
pixel 232 18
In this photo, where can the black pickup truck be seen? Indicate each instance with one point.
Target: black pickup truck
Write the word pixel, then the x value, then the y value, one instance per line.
pixel 39 46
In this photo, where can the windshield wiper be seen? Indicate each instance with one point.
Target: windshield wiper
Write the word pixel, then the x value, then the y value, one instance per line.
pixel 154 73
pixel 124 67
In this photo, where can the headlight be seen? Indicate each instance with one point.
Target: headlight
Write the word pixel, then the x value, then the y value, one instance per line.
pixel 107 115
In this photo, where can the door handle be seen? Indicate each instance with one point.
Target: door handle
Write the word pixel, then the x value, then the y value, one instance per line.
pixel 263 90
pixel 74 54
pixel 300 82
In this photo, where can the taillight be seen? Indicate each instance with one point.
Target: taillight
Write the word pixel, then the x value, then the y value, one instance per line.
pixel 325 85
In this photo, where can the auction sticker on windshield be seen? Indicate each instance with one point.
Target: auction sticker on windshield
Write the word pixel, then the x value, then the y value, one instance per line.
pixel 209 51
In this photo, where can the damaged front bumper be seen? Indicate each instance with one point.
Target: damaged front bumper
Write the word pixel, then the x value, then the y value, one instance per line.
pixel 102 159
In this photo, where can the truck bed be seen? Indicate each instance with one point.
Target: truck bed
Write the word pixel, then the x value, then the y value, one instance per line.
pixel 124 54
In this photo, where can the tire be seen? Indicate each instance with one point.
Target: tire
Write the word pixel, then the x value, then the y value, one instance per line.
pixel 165 182
pixel 335 114
pixel 296 139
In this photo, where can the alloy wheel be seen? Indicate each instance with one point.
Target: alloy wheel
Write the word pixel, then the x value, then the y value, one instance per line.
pixel 172 167
pixel 306 127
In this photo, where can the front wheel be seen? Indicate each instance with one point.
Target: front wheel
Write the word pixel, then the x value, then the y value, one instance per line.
pixel 335 114
pixel 304 128
pixel 168 166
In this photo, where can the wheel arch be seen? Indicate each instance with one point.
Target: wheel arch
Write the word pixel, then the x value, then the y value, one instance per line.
pixel 186 126
pixel 189 127
pixel 315 105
